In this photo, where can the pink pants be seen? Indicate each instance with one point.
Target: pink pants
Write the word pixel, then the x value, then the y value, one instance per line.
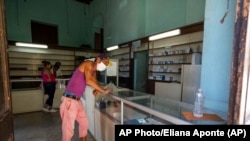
pixel 71 110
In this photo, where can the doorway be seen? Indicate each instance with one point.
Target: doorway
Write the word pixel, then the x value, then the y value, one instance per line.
pixel 140 70
pixel 99 40
pixel 44 33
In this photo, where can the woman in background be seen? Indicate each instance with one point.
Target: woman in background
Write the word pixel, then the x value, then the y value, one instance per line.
pixel 49 83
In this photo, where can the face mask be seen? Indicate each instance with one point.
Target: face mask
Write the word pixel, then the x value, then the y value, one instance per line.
pixel 101 67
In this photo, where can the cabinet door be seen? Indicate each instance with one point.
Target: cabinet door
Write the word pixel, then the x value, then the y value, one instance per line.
pixel 89 105
pixel 190 82
pixel 168 90
pixel 21 101
pixel 151 86
pixel 104 127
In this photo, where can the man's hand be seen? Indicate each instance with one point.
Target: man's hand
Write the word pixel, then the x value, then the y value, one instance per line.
pixel 96 92
pixel 108 91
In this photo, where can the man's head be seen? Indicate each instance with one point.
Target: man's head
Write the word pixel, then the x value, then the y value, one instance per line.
pixel 57 65
pixel 102 62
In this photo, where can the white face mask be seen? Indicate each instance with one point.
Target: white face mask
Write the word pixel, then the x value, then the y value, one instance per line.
pixel 101 66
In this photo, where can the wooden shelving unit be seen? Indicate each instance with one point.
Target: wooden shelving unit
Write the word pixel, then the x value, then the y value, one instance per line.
pixel 167 57
pixel 26 63
pixel 165 63
pixel 123 55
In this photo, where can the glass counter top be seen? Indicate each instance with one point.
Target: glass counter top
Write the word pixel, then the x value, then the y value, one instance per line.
pixel 32 83
pixel 173 111
pixel 128 94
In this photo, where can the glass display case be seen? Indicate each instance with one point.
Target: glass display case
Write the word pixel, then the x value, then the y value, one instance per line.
pixel 132 107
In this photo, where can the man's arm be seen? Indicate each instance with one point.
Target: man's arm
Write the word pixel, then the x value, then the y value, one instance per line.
pixel 91 79
pixel 59 73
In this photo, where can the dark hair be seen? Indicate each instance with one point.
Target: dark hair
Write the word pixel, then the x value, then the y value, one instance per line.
pixel 45 63
pixel 58 64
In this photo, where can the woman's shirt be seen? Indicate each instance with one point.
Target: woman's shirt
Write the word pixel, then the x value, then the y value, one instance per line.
pixel 48 77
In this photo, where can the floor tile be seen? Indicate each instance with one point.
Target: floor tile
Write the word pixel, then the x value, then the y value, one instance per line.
pixel 40 126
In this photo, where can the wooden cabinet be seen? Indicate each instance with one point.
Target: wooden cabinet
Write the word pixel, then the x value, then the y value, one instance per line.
pixel 27 101
pixel 104 126
pixel 150 86
pixel 31 98
pixel 123 55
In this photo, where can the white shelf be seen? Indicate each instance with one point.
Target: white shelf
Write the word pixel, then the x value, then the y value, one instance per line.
pixel 166 56
pixel 123 55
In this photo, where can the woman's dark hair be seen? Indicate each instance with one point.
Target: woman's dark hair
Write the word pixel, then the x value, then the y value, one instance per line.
pixel 45 63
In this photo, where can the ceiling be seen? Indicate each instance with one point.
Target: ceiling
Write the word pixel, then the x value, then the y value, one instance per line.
pixel 85 1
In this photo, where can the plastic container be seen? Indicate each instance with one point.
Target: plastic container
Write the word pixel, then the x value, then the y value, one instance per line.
pixel 198 104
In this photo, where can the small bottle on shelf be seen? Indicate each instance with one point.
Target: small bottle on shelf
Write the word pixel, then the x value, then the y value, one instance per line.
pixel 198 104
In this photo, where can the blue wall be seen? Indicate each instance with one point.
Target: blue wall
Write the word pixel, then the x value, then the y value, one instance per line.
pixel 70 17
pixel 122 20
pixel 128 20
pixel 217 53
pixel 163 15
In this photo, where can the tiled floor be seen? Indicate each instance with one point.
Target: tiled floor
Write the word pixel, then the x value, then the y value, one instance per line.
pixel 40 126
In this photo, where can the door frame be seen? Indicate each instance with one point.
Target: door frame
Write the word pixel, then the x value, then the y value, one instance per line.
pixel 6 116
pixel 239 82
